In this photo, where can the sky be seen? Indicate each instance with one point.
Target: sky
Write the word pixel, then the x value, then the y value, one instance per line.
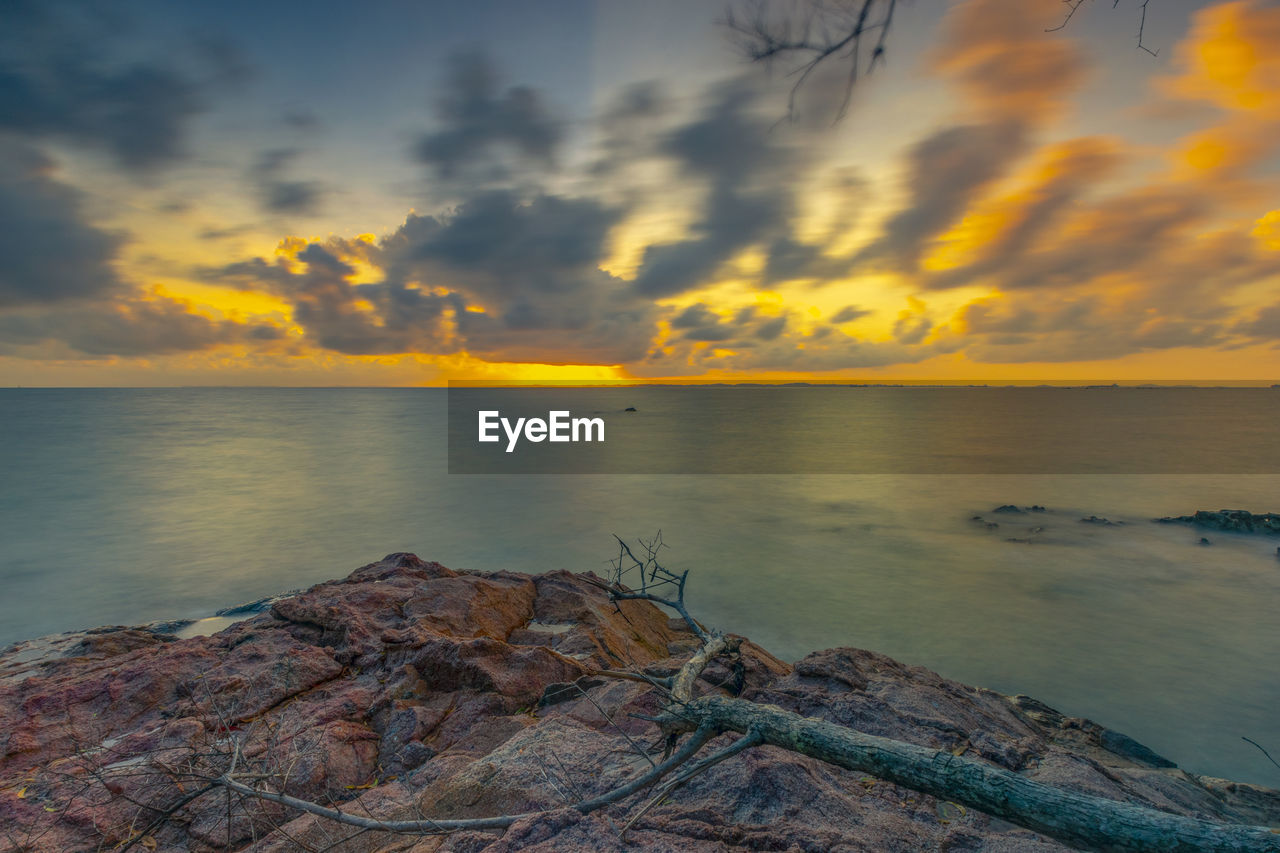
pixel 405 193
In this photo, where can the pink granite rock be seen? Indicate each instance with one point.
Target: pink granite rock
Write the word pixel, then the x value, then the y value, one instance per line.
pixel 409 689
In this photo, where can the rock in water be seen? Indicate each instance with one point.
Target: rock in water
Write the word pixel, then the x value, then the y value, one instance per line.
pixel 408 689
pixel 1231 520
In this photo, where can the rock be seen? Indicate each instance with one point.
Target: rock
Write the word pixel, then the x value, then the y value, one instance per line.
pixel 1037 508
pixel 1204 541
pixel 629 409
pixel 1105 522
pixel 1009 508
pixel 1230 520
pixel 408 689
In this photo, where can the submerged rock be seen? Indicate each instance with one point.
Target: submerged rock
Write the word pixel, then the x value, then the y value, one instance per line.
pixel 408 689
pixel 1232 520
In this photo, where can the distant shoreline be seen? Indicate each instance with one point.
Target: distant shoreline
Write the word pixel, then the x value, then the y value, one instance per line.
pixel 626 383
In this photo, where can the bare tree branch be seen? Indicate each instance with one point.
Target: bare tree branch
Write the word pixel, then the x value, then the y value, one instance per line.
pixel 827 29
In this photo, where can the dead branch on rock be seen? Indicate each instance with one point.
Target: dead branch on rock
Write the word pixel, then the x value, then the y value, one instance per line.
pixel 241 772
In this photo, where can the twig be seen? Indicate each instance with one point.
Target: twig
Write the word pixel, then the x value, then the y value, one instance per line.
pixel 752 738
pixel 1264 752
pixel 434 827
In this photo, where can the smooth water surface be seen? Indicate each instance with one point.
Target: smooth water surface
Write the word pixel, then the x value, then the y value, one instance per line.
pixel 128 506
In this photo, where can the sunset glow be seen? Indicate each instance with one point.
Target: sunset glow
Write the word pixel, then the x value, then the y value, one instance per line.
pixel 999 203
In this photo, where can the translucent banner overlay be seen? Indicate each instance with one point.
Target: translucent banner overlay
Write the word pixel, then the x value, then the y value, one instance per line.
pixel 533 428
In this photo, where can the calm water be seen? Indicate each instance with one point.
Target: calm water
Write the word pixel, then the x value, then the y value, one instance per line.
pixel 128 506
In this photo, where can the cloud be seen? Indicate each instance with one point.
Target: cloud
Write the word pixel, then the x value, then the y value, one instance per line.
pixel 848 314
pixel 1015 78
pixel 947 172
pixel 534 267
pixel 913 324
pixel 48 252
pixel 781 343
pixel 1177 292
pixel 1003 60
pixel 1074 327
pixel 1264 325
pixel 59 80
pixel 500 276
pixel 130 327
pixel 478 124
pixel 338 314
pixel 1003 231
pixel 302 120
pixel 748 194
pixel 278 195
pixel 1231 60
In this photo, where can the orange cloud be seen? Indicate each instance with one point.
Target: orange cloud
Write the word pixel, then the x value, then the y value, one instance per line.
pixel 1002 58
pixel 1230 59
pixel 1267 230
pixel 998 231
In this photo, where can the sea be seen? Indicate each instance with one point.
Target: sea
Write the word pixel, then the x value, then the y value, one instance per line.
pixel 869 525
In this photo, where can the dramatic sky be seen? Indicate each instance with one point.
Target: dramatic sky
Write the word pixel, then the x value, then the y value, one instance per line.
pixel 399 193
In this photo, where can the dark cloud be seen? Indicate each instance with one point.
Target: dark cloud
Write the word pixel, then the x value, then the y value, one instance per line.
pixel 947 172
pixel 700 323
pixel 744 330
pixel 304 120
pixel 790 259
pixel 1005 61
pixel 225 233
pixel 48 253
pixel 1177 295
pixel 534 267
pixel 775 345
pixel 771 329
pixel 696 315
pixel 331 308
pixel 277 194
pixel 1265 324
pixel 506 244
pixel 749 196
pixel 129 327
pixel 911 327
pixel 848 314
pixel 500 276
pixel 1068 171
pixel 1117 235
pixel 479 124
pixel 626 128
pixel 59 79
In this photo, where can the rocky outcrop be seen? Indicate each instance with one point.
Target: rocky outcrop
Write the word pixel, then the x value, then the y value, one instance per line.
pixel 1231 520
pixel 408 689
